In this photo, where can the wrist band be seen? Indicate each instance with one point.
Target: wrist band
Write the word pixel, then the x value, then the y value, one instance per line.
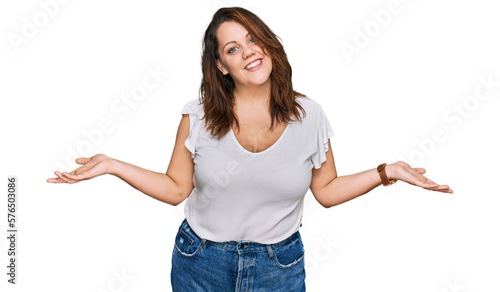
pixel 383 175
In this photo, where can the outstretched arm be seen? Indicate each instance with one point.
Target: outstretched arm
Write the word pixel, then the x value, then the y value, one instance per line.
pixel 171 187
pixel 330 190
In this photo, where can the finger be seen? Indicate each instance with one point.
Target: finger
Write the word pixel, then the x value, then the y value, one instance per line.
pixel 60 177
pixel 75 177
pixel 428 184
pixel 420 170
pixel 74 172
pixel 441 188
pixel 424 182
pixel 70 177
pixel 432 183
pixel 66 179
pixel 82 160
pixel 436 186
pixel 447 190
pixel 55 180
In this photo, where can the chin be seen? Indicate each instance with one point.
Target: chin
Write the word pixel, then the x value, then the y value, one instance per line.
pixel 261 80
pixel 256 83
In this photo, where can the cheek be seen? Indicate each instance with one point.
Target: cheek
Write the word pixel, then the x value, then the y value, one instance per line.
pixel 266 53
pixel 232 65
pixel 269 64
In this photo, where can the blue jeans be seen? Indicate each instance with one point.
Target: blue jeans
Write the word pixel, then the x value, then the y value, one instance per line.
pixel 203 265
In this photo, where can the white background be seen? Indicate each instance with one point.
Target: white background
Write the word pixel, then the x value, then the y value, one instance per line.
pixel 406 81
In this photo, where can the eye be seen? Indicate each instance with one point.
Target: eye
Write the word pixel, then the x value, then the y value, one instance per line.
pixel 251 40
pixel 231 50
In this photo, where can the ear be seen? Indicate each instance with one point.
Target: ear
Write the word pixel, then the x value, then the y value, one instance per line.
pixel 221 67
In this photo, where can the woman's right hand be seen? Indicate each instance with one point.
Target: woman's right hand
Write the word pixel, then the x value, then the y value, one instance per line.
pixel 91 167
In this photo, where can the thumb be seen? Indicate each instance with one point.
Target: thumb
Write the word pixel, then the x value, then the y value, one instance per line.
pixel 419 170
pixel 82 160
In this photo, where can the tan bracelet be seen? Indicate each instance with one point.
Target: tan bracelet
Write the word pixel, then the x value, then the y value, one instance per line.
pixel 383 175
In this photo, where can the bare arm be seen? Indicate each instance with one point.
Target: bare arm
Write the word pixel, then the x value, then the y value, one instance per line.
pixel 330 190
pixel 154 184
pixel 172 187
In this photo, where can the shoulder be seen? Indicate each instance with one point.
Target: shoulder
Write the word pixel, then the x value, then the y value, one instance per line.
pixel 192 106
pixel 311 107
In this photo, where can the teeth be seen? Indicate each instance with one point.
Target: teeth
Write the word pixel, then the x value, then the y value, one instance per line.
pixel 254 64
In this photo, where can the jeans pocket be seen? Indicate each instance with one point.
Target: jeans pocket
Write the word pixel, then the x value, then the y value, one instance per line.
pixel 290 254
pixel 186 245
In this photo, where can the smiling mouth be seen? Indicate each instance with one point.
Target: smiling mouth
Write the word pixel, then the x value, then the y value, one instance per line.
pixel 253 64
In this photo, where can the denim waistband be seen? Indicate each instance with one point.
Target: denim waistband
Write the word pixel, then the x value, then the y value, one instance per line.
pixel 239 246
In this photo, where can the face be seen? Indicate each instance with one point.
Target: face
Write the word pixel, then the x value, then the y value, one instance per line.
pixel 241 57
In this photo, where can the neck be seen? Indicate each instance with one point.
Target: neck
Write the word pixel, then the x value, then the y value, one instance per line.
pixel 253 94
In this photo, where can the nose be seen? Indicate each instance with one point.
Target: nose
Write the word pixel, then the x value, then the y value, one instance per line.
pixel 247 52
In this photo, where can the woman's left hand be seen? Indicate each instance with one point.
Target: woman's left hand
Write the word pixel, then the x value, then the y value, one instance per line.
pixel 403 171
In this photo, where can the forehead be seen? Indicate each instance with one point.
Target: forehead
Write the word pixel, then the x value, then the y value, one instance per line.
pixel 230 31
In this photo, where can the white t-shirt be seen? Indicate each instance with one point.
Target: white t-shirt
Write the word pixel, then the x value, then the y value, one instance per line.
pixel 241 195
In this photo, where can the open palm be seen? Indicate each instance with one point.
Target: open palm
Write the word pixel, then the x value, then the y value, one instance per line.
pixel 91 167
pixel 403 171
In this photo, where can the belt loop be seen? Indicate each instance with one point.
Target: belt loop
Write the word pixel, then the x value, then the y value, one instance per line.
pixel 203 243
pixel 270 251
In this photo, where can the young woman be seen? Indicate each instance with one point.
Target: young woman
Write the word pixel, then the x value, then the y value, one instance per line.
pixel 245 155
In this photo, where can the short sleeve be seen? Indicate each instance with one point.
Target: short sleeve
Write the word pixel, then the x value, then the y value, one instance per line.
pixel 193 109
pixel 323 132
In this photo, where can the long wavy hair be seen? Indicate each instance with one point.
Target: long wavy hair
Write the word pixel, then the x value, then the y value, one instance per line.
pixel 216 90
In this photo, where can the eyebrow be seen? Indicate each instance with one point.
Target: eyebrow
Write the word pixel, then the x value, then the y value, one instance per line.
pixel 232 42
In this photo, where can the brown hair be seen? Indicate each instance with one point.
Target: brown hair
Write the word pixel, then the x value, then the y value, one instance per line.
pixel 216 90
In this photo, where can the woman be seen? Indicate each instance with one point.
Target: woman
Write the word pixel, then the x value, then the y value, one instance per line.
pixel 244 157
